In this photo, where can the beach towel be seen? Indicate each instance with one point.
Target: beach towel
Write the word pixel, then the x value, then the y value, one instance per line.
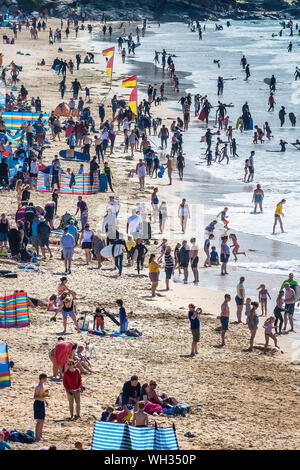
pixel 4 366
pixel 82 184
pixel 14 311
pixel 61 352
pixel 114 436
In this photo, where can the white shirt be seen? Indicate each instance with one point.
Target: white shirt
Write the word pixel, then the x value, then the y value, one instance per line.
pixel 113 206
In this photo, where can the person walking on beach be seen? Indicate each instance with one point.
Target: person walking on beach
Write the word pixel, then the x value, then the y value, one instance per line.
pixel 194 260
pixel 258 196
pixel 207 262
pixel 278 310
pixel 169 266
pixel 263 295
pixel 39 405
pixel 240 299
pixel 252 321
pixel 289 300
pixel 154 270
pixel 224 318
pixel 277 216
pixel 67 243
pixel 281 115
pixel 73 385
pixel 251 167
pixel 193 317
pixel 184 258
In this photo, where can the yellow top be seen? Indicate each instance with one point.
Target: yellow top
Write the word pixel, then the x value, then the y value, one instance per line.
pixel 130 244
pixel 278 210
pixel 153 268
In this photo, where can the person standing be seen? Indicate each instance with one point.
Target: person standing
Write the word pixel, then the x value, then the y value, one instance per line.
pixel 73 385
pixel 194 251
pixel 109 174
pixel 169 266
pixel 207 262
pixel 183 214
pixel 67 243
pixel 193 317
pixel 154 270
pixel 39 405
pixel 258 196
pixel 251 167
pixel 252 321
pixel 83 208
pixel 277 216
pixel 281 115
pixel 240 299
pixel 184 258
pixel 225 254
pixel 224 317
pixel 289 301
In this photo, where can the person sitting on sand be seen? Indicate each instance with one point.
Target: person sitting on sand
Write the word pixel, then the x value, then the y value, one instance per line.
pixel 106 414
pixel 163 399
pixel 78 446
pixel 82 363
pixel 150 408
pixel 140 417
pixel 52 305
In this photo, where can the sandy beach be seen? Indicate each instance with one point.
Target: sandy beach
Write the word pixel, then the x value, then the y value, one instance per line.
pixel 239 400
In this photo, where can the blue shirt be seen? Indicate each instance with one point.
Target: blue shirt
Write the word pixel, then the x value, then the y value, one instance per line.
pixel 195 324
pixel 213 255
pixel 34 227
pixel 72 230
pixel 67 241
pixel 122 314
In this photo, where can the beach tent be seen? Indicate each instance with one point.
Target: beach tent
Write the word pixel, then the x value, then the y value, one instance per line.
pixel 15 120
pixel 81 186
pixel 64 109
pixel 115 436
pixel 14 310
pixel 4 366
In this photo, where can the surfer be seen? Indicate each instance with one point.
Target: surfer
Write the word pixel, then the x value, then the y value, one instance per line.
pixel 281 115
pixel 273 84
pixel 220 85
pixel 282 144
pixel 243 62
pixel 277 216
pixel 247 70
pixel 297 73
pixel 290 47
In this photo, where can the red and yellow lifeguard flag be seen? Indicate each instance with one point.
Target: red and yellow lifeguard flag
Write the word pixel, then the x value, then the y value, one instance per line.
pixel 108 52
pixel 129 82
pixel 133 101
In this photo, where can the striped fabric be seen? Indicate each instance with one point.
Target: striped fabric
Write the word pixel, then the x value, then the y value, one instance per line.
pixel 4 366
pixel 115 436
pixel 2 98
pixel 16 138
pixel 14 311
pixel 15 120
pixel 82 185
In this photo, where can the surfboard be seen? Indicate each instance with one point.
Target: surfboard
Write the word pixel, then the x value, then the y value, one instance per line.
pixel 202 115
pixel 238 123
pixel 79 156
pixel 111 317
pixel 250 127
pixel 106 252
pixel 267 81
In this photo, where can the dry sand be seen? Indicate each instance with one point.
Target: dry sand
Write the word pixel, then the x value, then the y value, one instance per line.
pixel 238 400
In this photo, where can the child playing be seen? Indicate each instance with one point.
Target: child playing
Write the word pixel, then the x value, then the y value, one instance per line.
pixel 255 137
pixel 211 227
pixel 140 417
pixel 98 320
pixel 106 414
pixel 263 298
pixel 214 257
pixel 3 443
pixel 39 404
pixel 223 214
pixel 248 308
pixel 236 246
pixel 246 170
pixel 268 326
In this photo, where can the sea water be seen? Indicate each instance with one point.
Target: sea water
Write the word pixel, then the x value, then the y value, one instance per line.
pixel 278 173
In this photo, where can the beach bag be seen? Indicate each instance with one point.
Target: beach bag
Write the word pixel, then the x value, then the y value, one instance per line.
pixel 133 333
pixel 26 437
pixel 14 436
pixel 6 434
pixel 181 409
